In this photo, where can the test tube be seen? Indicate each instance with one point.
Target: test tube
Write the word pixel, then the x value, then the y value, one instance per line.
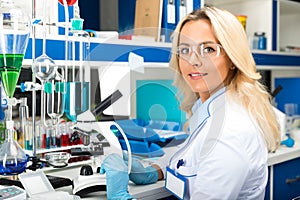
pixel 28 136
pixel 23 115
pixel 64 135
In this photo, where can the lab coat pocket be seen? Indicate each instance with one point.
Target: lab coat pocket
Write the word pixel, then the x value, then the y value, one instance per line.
pixel 187 171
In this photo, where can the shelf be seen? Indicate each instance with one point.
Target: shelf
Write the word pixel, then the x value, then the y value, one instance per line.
pixel 259 15
pixel 288 28
pixel 288 7
pixel 117 51
pixel 112 50
pixel 275 60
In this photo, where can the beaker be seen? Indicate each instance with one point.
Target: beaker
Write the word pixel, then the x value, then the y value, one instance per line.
pixel 291 111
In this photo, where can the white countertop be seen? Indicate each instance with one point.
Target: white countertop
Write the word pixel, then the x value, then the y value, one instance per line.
pixel 284 153
pixel 157 190
pixel 145 192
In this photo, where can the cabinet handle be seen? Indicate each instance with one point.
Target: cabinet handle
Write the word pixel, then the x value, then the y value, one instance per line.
pixel 292 180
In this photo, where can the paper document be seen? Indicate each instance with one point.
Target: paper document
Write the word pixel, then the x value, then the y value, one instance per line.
pixel 168 133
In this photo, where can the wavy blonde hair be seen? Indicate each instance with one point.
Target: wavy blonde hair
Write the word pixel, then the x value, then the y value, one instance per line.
pixel 244 83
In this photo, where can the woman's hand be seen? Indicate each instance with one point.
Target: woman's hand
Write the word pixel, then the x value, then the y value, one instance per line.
pixel 141 175
pixel 117 177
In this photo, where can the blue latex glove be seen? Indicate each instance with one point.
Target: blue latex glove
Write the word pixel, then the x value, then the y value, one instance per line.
pixel 117 177
pixel 139 174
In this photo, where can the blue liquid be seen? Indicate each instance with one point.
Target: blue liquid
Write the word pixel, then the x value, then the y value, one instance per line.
pixel 12 168
pixel 77 99
pixel 28 145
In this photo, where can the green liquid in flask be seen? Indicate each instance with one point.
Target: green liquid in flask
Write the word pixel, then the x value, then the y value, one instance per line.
pixel 10 66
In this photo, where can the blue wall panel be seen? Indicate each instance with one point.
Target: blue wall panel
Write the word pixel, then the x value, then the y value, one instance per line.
pixel 290 92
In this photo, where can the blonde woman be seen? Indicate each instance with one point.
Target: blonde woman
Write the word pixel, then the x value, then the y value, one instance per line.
pixel 232 124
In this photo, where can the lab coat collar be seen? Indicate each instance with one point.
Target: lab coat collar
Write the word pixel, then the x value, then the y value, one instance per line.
pixel 201 111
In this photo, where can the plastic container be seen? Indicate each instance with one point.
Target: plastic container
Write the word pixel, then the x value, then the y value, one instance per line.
pixel 243 20
pixel 260 41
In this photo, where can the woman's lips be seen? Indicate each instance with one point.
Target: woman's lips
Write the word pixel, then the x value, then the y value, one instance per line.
pixel 196 76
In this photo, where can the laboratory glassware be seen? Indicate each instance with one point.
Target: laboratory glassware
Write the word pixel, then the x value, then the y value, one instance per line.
pixel 78 85
pixel 69 2
pixel 14 34
pixel 23 116
pixel 55 90
pixel 44 68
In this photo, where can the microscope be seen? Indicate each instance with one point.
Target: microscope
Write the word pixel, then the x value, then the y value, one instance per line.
pixel 88 181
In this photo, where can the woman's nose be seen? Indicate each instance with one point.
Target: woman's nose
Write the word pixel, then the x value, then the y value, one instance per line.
pixel 195 59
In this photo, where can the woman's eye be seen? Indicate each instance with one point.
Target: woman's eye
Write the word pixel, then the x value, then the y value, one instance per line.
pixel 208 50
pixel 185 50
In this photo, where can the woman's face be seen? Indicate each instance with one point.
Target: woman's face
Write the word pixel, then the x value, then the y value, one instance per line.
pixel 206 66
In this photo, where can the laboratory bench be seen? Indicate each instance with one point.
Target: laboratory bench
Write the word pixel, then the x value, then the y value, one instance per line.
pixel 284 173
pixel 145 192
pixel 284 181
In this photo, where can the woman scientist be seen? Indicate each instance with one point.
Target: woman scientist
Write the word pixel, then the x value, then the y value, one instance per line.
pixel 232 124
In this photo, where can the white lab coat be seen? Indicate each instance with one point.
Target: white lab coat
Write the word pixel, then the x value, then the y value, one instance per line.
pixel 225 156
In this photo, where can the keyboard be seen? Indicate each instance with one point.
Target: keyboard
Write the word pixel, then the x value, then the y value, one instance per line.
pixel 55 181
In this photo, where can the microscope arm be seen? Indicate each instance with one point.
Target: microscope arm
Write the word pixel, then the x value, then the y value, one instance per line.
pixel 104 128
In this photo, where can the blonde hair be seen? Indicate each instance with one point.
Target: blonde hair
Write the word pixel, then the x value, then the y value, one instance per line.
pixel 244 83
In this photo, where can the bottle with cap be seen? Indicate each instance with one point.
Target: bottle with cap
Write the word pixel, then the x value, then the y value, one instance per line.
pixel 260 41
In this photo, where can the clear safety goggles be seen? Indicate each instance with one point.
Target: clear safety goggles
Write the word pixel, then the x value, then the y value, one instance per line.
pixel 203 50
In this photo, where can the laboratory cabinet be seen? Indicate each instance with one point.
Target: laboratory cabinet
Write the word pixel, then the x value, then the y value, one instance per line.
pixel 284 180
pixel 277 18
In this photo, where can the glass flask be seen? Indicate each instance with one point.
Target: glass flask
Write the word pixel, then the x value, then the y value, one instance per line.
pixel 13 159
pixel 14 34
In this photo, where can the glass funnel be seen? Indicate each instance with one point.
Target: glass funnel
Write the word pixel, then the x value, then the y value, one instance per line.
pixel 14 34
